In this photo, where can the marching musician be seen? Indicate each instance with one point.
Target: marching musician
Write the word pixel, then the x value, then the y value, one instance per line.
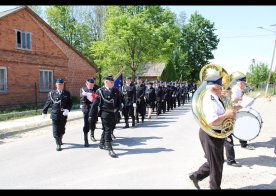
pixel 237 97
pixel 215 114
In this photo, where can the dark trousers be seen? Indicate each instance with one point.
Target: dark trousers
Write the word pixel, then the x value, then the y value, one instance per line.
pixel 243 143
pixel 213 149
pixel 158 107
pixel 59 126
pixel 163 106
pixel 178 101
pixel 140 109
pixel 108 127
pixel 183 99
pixel 129 111
pixel 229 149
pixel 86 126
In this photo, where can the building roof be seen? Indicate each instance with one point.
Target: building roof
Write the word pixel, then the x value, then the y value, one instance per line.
pixel 8 12
pixel 153 69
pixel 12 11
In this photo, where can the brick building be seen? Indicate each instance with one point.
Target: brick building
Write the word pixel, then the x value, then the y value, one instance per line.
pixel 33 56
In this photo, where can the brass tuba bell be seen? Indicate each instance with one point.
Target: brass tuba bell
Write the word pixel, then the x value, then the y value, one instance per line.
pixel 228 124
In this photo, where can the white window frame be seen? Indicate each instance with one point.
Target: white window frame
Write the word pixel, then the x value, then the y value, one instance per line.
pixel 46 90
pixel 5 79
pixel 26 33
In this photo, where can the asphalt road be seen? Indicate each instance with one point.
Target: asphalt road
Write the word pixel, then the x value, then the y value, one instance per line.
pixel 158 154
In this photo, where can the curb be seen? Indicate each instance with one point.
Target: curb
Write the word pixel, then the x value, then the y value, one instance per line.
pixel 33 126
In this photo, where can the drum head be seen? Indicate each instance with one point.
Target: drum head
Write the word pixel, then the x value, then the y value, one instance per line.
pixel 247 125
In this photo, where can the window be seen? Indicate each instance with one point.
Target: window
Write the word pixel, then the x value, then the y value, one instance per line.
pixel 45 80
pixel 23 40
pixel 3 79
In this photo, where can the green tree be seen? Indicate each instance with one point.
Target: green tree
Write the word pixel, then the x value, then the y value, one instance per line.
pixel 258 74
pixel 63 21
pixel 133 36
pixel 197 43
pixel 169 73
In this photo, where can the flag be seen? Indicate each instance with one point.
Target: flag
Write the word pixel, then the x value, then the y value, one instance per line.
pixel 118 82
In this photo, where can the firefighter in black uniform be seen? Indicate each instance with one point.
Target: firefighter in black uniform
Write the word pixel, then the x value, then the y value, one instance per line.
pixel 61 103
pixel 178 94
pixel 150 98
pixel 163 98
pixel 129 92
pixel 108 101
pixel 140 99
pixel 87 98
pixel 159 95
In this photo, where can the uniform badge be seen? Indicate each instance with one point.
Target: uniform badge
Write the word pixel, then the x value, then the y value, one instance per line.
pixel 212 97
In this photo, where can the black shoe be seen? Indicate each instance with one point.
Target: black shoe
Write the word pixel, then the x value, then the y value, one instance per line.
pixel 133 124
pixel 112 154
pixel 195 181
pixel 113 136
pixel 92 138
pixel 234 164
pixel 58 148
pixel 102 146
pixel 248 147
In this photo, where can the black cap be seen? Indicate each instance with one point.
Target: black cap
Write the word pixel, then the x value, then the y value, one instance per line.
pixel 110 78
pixel 90 80
pixel 243 79
pixel 218 81
pixel 59 81
pixel 138 78
pixel 128 78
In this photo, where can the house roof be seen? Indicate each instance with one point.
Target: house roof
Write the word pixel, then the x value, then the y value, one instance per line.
pixel 12 11
pixel 153 69
pixel 8 12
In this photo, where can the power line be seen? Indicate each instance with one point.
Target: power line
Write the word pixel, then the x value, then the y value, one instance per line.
pixel 248 36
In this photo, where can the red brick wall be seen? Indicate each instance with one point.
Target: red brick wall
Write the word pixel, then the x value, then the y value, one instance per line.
pixel 22 65
pixel 48 52
pixel 79 69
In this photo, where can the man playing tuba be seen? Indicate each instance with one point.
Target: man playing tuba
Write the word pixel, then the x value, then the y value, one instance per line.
pixel 215 113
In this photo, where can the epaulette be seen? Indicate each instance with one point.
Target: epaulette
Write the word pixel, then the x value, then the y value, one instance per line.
pixel 212 97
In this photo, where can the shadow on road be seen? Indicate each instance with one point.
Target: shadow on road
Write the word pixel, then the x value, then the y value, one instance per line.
pixel 136 141
pixel 268 161
pixel 141 150
pixel 66 146
pixel 272 185
pixel 269 144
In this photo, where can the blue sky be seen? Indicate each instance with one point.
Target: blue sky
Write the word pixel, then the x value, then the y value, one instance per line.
pixel 240 39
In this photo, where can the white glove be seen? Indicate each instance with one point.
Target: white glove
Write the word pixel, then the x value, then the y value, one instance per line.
pixel 122 105
pixel 81 106
pixel 84 93
pixel 134 105
pixel 44 116
pixel 66 112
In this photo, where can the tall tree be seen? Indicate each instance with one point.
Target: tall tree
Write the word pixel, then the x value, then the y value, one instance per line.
pixel 63 21
pixel 258 74
pixel 197 43
pixel 135 35
pixel 169 73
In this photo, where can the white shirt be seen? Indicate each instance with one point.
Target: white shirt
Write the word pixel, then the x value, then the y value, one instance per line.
pixel 236 92
pixel 212 107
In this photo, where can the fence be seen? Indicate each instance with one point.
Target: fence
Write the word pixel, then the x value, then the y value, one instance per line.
pixel 271 89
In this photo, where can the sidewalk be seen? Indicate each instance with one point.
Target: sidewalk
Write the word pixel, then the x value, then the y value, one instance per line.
pixel 11 127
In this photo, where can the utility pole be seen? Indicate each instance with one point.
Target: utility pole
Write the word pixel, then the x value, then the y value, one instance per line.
pixel 270 70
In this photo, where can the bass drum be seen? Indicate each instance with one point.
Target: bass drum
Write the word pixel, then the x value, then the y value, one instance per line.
pixel 248 124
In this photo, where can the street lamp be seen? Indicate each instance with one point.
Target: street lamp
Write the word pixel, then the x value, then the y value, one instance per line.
pixel 269 74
